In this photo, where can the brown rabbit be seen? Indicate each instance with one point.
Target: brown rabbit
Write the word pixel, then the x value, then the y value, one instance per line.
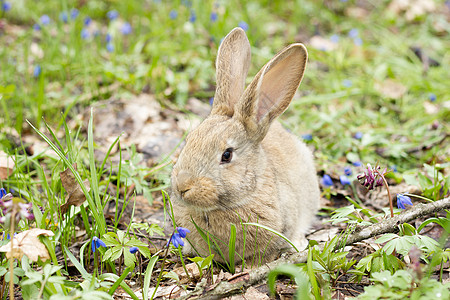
pixel 240 165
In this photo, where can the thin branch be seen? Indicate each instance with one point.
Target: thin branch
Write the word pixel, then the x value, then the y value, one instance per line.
pixel 240 284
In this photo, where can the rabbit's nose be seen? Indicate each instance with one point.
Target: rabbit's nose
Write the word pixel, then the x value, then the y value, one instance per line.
pixel 183 179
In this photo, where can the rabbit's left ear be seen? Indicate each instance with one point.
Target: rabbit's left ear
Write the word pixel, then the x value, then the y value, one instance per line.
pixel 272 89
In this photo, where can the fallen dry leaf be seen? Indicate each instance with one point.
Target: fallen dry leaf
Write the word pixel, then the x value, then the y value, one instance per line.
pixel 27 243
pixel 6 165
pixel 75 195
pixel 411 8
pixel 322 43
pixel 192 269
pixel 251 293
pixel 391 89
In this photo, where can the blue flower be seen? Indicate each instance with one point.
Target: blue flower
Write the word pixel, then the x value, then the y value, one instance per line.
pixel 63 17
pixel 133 250
pixel 307 137
pixel 192 17
pixel 2 193
pixel 344 179
pixel 37 71
pixel 353 33
pixel 126 28
pixel 358 135
pixel 45 19
pixel 97 243
pixel 112 14
pixel 347 83
pixel 348 171
pixel 334 38
pixel 37 27
pixel 357 41
pixel 432 97
pixel 173 14
pixel 87 21
pixel 183 231
pixel 326 180
pixel 402 200
pixel 110 47
pixel 176 240
pixel 6 6
pixel 84 34
pixel 213 17
pixel 74 13
pixel 108 38
pixel 211 101
pixel 243 25
pixel 357 163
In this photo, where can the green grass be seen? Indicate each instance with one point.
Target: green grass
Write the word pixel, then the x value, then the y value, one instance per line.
pixel 342 93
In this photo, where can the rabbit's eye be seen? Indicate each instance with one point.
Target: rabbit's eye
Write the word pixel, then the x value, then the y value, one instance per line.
pixel 227 156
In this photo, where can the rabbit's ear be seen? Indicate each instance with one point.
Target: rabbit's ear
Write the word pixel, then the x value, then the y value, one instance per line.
pixel 232 64
pixel 272 89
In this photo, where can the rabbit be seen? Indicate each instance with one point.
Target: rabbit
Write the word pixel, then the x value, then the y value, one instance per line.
pixel 240 165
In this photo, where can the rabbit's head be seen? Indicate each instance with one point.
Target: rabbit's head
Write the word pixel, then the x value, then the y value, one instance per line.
pixel 223 158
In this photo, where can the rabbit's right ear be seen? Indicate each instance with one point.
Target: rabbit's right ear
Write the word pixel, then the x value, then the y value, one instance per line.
pixel 232 64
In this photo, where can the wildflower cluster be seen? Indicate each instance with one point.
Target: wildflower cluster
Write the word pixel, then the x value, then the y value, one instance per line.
pixel 372 177
pixel 7 203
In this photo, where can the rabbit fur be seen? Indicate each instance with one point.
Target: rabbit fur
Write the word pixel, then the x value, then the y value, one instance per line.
pixel 270 178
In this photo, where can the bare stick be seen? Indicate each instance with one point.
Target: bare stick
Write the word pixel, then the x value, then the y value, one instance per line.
pixel 226 288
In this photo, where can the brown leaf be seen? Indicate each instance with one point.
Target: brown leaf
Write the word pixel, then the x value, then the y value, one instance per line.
pixel 391 89
pixel 75 195
pixel 192 269
pixel 239 277
pixel 6 165
pixel 27 243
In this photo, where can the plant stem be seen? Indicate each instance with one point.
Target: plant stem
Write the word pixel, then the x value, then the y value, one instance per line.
pixel 391 206
pixel 162 268
pixel 184 265
pixel 11 258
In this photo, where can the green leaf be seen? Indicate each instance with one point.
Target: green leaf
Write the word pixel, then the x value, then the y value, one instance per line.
pixel 386 237
pixel 129 259
pixel 148 276
pixel 303 286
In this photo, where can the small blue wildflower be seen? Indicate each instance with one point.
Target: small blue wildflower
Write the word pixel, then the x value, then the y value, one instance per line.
pixel 84 34
pixel 37 71
pixel 6 6
pixel 97 243
pixel 110 47
pixel 74 13
pixel 176 240
pixel 126 28
pixel 357 163
pixel 64 17
pixel 87 21
pixel 348 171
pixel 353 33
pixel 45 19
pixel 394 168
pixel 358 135
pixel 347 83
pixel 334 38
pixel 432 97
pixel 307 137
pixel 213 17
pixel 402 200
pixel 211 101
pixel 108 37
pixel 357 41
pixel 173 14
pixel 344 180
pixel 133 250
pixel 326 180
pixel 37 27
pixel 112 14
pixel 183 231
pixel 2 193
pixel 243 25
pixel 192 17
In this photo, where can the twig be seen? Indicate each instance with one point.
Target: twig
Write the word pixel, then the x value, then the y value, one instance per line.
pixel 225 288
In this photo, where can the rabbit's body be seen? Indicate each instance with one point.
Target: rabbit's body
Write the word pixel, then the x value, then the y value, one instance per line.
pixel 241 166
